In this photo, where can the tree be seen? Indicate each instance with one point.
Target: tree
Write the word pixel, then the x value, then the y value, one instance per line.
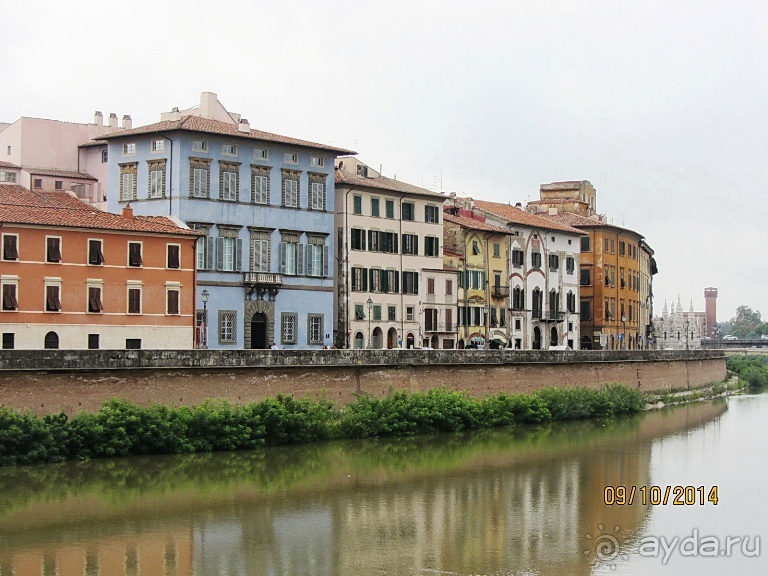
pixel 747 323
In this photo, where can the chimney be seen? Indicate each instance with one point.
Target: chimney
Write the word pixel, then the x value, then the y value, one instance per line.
pixel 98 118
pixel 128 212
pixel 553 210
pixel 207 103
pixel 244 126
pixel 112 120
pixel 174 114
pixel 518 205
pixel 127 122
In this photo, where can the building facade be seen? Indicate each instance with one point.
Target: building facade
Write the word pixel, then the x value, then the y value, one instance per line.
pixel 265 205
pixel 543 277
pixel 75 278
pixel 679 330
pixel 439 310
pixel 389 233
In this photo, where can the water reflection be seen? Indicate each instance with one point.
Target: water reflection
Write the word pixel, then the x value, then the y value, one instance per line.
pixel 498 502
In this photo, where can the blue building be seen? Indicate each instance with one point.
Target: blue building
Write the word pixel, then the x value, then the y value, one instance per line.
pixel 265 270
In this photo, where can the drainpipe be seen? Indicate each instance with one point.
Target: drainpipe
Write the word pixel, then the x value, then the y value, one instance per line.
pixel 170 179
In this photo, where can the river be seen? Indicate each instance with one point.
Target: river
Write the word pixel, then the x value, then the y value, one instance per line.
pixel 504 502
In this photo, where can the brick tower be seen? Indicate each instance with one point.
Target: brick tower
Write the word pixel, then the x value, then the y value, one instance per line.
pixel 710 300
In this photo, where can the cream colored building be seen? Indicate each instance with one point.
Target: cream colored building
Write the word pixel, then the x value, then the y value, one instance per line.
pixel 388 233
pixel 439 308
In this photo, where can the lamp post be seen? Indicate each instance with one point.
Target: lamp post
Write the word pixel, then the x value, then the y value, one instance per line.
pixel 369 303
pixel 624 331
pixel 687 324
pixel 204 297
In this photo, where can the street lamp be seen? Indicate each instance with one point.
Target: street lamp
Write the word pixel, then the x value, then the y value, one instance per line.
pixel 369 303
pixel 624 331
pixel 687 323
pixel 204 297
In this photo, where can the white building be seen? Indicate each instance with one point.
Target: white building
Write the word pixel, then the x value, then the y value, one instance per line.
pixel 678 330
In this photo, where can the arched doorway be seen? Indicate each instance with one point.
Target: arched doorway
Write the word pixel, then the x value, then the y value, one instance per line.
pixel 461 344
pixel 553 337
pixel 435 344
pixel 391 338
pixel 586 343
pixel 51 341
pixel 409 341
pixel 536 338
pixel 259 331
pixel 359 340
pixel 377 338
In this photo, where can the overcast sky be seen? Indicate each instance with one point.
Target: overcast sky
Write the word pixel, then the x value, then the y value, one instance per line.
pixel 662 105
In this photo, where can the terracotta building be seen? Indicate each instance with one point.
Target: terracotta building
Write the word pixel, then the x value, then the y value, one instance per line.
pixel 75 277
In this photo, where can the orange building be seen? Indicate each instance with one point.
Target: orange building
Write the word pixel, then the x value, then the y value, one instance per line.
pixel 75 277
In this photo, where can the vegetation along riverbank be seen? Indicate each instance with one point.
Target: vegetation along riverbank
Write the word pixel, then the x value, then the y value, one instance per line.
pixel 121 428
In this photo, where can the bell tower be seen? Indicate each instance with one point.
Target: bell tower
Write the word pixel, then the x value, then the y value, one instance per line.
pixel 710 310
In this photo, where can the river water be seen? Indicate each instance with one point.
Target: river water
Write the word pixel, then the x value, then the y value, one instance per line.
pixel 503 502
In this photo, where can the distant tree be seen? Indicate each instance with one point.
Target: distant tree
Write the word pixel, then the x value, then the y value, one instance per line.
pixel 747 323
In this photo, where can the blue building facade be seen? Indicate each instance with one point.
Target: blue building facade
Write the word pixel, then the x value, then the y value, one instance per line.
pixel 266 204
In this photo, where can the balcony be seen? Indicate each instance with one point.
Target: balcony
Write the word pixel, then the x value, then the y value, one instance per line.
pixel 265 279
pixel 500 291
pixel 442 327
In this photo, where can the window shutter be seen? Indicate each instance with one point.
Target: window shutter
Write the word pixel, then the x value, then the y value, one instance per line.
pixel 415 282
pixel 370 238
pixel 415 245
pixel 209 253
pixel 397 282
pixel 325 261
pixel 364 272
pixel 394 239
pixel 238 255
pixel 384 281
pixel 353 279
pixel 370 278
pixel 282 257
pixel 219 253
pixel 362 239
pixel 300 259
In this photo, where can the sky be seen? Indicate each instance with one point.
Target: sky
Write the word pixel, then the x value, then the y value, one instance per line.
pixel 662 106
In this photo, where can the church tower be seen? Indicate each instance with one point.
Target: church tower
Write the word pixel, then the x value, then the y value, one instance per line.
pixel 710 309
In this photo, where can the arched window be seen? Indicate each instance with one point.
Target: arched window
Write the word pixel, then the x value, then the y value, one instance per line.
pixel 359 340
pixel 51 341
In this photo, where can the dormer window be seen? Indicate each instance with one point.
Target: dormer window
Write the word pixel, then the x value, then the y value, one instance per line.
pixel 200 145
pixel 291 158
pixel 158 145
pixel 318 161
pixel 129 148
pixel 229 149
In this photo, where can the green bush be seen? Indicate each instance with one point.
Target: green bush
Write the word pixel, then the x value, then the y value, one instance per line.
pixel 751 369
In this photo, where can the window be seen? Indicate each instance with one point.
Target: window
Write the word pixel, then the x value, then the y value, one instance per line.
pixel 391 313
pixel 158 145
pixel 384 242
pixel 537 303
pixel 52 298
pixel 291 256
pixel 316 194
pixel 229 150
pixel 430 285
pixel 38 183
pixel 605 245
pixel 227 327
pixel 449 287
pixel 10 247
pixel 570 264
pixel 409 313
pixel 128 182
pixel 228 185
pixel 134 254
pixel 359 278
pixel 410 244
pixel 518 258
pixel 475 248
pixel 259 185
pixel 375 207
pixel 431 246
pixel 58 184
pixel 9 340
pixel 172 299
pixel 260 154
pixel 291 158
pixel 536 259
pixel 359 312
pixel 431 214
pixel 357 204
pixel 94 299
pixel 315 329
pixel 317 257
pixel 377 312
pixel 133 343
pixel 134 300
pixel 200 145
pixel 104 156
pixel 410 282
pixel 9 295
pixel 199 178
pixel 586 310
pixel 317 161
pixel 173 254
pixel 95 255
pixel 408 210
pixel 290 189
pixel 129 148
pixel 586 277
pixel 496 250
pixel 622 248
pixel 7 176
pixel 156 188
pixel 288 327
pixel 554 261
pixel 518 298
pixel 570 302
pixel 51 341
pixel 357 239
pixel 585 243
pixel 93 341
pixel 261 251
pixel 229 249
pixel 390 207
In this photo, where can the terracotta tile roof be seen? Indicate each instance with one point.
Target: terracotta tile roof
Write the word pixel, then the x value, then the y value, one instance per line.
pixel 57 208
pixel 473 224
pixel 579 221
pixel 515 215
pixel 59 173
pixel 209 126
pixel 7 165
pixel 383 183
pixel 92 143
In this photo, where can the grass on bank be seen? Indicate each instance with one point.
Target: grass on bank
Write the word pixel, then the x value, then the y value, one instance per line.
pixel 122 428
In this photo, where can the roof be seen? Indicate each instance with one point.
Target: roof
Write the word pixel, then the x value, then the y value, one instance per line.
pixel 209 126
pixel 579 221
pixel 92 143
pixel 473 224
pixel 515 215
pixel 383 183
pixel 59 173
pixel 7 165
pixel 60 209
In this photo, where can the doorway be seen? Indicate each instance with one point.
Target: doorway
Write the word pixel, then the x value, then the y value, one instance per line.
pixel 259 331
pixel 537 338
pixel 391 338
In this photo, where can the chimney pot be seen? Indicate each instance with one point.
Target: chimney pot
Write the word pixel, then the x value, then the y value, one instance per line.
pixel 112 120
pixel 127 122
pixel 128 212
pixel 244 126
pixel 98 118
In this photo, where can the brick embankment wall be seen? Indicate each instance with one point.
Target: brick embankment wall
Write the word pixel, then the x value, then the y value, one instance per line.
pixel 51 381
